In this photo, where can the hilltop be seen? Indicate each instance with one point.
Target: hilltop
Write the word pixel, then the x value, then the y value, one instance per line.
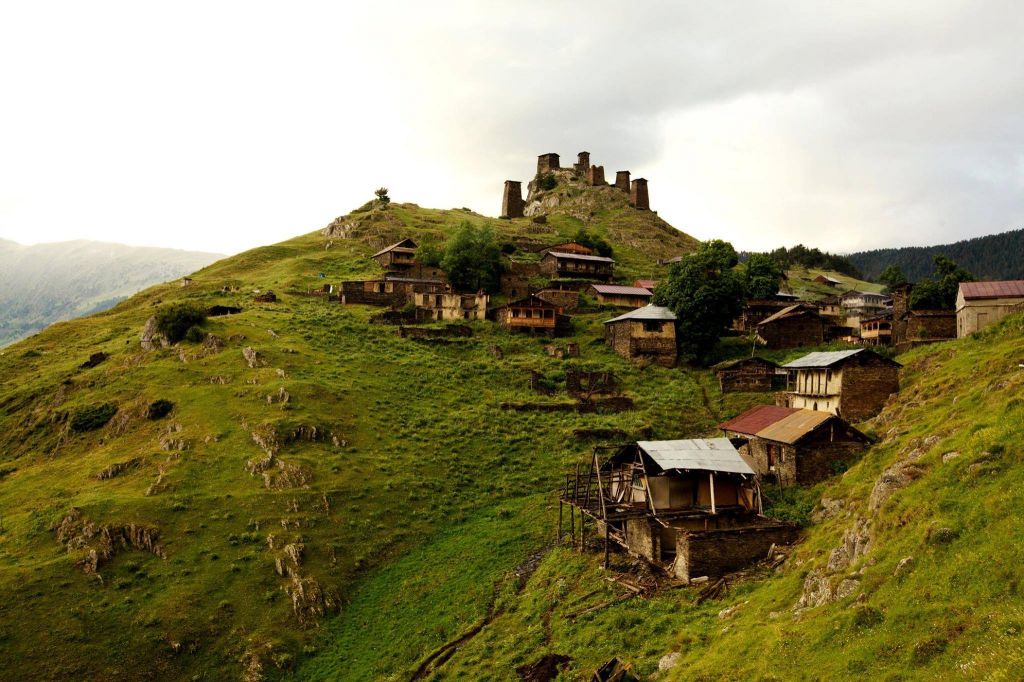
pixel 46 283
pixel 995 256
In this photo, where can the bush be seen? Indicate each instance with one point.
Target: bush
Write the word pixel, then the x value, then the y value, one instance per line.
pixel 194 335
pixel 546 181
pixel 175 321
pixel 92 417
pixel 159 409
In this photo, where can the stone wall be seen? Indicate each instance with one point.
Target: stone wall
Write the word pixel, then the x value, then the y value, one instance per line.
pixel 793 332
pixel 629 339
pixel 749 377
pixel 565 299
pixel 866 388
pixel 368 293
pixel 714 553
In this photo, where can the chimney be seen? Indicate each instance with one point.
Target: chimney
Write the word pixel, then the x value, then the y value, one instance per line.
pixel 512 200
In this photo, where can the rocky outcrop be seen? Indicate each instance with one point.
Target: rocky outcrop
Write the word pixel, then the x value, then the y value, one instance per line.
pixel 101 542
pixel 253 357
pixel 275 472
pixel 150 338
pixel 119 468
pixel 310 601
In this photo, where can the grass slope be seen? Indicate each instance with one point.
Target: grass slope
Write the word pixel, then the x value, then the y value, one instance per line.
pixel 424 462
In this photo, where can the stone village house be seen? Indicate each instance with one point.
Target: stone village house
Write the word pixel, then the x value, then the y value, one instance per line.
pixel 794 446
pixel 979 304
pixel 647 333
pixel 912 328
pixel 853 384
pixel 792 327
pixel 398 256
pixel 690 507
pixel 621 296
pixel 752 374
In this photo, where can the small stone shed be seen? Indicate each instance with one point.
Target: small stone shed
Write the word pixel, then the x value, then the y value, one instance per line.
pixel 647 333
pixel 752 374
pixel 792 327
pixel 853 384
pixel 691 507
pixel 794 446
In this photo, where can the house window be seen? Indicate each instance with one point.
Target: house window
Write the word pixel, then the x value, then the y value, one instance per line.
pixel 652 326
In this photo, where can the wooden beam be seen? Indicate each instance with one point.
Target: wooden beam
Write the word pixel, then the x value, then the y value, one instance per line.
pixel 711 478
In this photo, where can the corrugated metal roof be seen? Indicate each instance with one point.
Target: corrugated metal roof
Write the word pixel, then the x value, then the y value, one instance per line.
pixel 620 290
pixel 701 454
pixel 648 312
pixel 1009 288
pixel 823 359
pixel 792 428
pixel 580 256
pixel 757 418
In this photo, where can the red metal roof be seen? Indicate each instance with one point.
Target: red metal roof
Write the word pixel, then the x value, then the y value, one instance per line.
pixel 1011 288
pixel 757 418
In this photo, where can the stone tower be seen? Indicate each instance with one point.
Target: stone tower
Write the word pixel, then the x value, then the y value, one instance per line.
pixel 547 163
pixel 622 180
pixel 638 195
pixel 512 200
pixel 582 163
pixel 595 176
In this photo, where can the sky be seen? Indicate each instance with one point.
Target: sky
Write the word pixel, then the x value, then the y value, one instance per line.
pixel 221 126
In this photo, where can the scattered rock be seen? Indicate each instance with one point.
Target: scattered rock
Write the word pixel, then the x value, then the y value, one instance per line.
pixel 118 468
pixel 827 508
pixel 253 357
pixel 897 476
pixel 669 661
pixel 268 297
pixel 309 600
pixel 220 379
pixel 100 542
pixel 949 456
pixel 212 344
pixel 906 565
pixel 282 397
pixel 940 536
pixel 855 544
pixel 496 351
pixel 544 669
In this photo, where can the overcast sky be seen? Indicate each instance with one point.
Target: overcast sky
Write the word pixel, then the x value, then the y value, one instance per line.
pixel 221 126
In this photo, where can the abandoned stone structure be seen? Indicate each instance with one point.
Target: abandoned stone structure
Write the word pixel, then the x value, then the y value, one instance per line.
pixel 918 327
pixel 747 374
pixel 532 314
pixel 450 305
pixel 979 304
pixel 595 176
pixel 515 280
pixel 578 265
pixel 389 291
pixel 853 384
pixel 644 334
pixel 794 446
pixel 547 163
pixel 638 196
pixel 793 327
pixel 690 507
pixel 622 181
pixel 566 299
pixel 398 257
pixel 756 310
pixel 621 296
pixel 512 203
pixel 582 163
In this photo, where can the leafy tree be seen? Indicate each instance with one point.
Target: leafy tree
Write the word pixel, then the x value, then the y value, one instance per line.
pixel 174 321
pixel 706 292
pixel 892 276
pixel 382 195
pixel 762 275
pixel 939 292
pixel 472 259
pixel 429 253
pixel 593 241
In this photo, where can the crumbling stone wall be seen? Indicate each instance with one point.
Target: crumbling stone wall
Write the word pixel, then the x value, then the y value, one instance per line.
pixel 595 176
pixel 714 553
pixel 512 203
pixel 565 299
pixel 638 196
pixel 751 377
pixel 372 292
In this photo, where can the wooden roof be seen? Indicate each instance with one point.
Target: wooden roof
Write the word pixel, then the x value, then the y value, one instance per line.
pixel 404 245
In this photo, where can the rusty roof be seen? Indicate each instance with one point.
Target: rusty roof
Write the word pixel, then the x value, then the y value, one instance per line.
pixel 1009 288
pixel 795 426
pixel 757 418
pixel 646 283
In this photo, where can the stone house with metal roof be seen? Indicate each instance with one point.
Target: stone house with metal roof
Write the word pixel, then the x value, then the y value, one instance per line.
pixel 691 507
pixel 979 304
pixel 577 265
pixel 790 446
pixel 792 327
pixel 853 384
pixel 621 296
pixel 647 333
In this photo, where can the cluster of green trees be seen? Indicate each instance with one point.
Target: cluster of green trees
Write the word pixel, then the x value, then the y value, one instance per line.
pixel 814 258
pixel 996 256
pixel 471 258
pixel 939 291
pixel 707 289
pixel 594 242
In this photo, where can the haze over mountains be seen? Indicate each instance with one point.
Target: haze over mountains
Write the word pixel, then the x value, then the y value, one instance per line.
pixel 46 283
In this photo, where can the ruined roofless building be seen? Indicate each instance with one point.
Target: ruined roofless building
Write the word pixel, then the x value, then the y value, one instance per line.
pixel 512 200
pixel 595 176
pixel 547 163
pixel 638 195
pixel 582 162
pixel 622 180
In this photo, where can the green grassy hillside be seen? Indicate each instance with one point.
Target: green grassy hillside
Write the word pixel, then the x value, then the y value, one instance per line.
pixel 223 558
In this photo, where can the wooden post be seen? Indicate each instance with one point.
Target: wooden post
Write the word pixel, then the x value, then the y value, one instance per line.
pixel 583 532
pixel 558 540
pixel 572 525
pixel 711 478
pixel 606 543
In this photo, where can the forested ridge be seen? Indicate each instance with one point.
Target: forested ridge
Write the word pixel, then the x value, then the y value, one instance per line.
pixel 997 256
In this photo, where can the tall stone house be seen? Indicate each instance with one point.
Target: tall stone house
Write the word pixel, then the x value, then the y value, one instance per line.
pixel 793 327
pixel 853 384
pixel 791 446
pixel 647 333
pixel 979 304
pixel 450 305
pixel 691 507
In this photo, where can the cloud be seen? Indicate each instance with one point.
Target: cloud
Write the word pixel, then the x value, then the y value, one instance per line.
pixel 226 126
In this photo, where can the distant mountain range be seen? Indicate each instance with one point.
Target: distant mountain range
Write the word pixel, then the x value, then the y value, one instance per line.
pixel 997 256
pixel 47 283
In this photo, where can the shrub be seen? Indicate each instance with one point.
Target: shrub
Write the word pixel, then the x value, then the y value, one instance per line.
pixel 382 195
pixel 546 181
pixel 866 617
pixel 92 417
pixel 159 409
pixel 194 335
pixel 175 321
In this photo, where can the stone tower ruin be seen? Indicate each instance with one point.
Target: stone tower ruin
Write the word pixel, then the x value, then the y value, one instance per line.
pixel 512 200
pixel 582 163
pixel 638 195
pixel 547 163
pixel 622 180
pixel 595 176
